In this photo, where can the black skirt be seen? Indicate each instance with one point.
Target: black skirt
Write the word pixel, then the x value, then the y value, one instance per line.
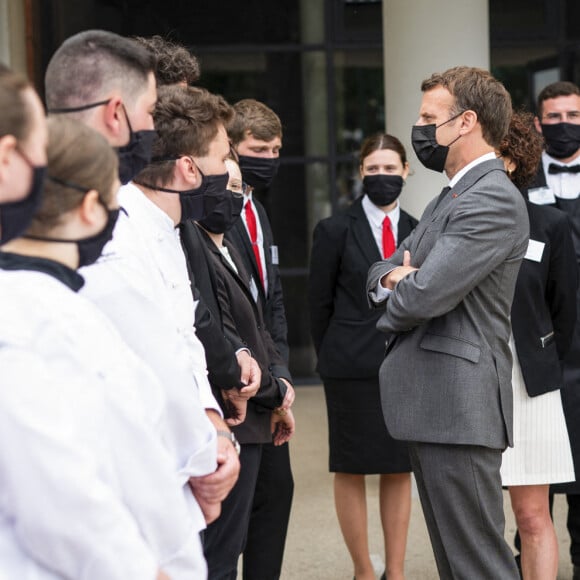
pixel 357 436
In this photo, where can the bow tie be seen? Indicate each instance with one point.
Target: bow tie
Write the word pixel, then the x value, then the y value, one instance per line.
pixel 554 168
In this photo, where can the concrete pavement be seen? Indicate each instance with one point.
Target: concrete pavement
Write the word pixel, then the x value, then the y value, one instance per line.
pixel 315 550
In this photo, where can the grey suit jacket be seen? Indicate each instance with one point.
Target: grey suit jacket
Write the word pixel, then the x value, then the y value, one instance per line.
pixel 446 377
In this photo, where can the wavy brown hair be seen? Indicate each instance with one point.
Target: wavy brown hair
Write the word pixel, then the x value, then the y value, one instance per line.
pixel 523 145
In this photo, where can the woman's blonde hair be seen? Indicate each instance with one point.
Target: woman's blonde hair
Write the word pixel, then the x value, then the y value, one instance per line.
pixel 79 159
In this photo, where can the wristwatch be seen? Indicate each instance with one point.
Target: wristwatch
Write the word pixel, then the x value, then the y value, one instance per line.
pixel 229 435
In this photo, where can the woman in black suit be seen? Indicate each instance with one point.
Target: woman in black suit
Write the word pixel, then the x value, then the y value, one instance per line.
pixel 350 351
pixel 543 319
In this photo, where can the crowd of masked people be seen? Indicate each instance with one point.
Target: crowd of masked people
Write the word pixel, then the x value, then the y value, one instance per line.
pixel 145 400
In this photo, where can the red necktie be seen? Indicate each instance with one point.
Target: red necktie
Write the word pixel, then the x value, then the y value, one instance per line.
pixel 253 230
pixel 388 238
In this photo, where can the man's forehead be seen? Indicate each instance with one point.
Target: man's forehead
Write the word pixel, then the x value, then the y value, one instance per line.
pixel 275 142
pixel 562 103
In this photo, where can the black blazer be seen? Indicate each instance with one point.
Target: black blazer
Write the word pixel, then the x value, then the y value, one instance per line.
pixel 229 293
pixel 273 302
pixel 343 326
pixel 544 308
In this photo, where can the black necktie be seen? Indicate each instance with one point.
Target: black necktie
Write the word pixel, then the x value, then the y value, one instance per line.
pixel 554 168
pixel 443 193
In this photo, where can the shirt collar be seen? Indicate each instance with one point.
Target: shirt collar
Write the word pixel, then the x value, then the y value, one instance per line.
pixel 136 203
pixel 487 157
pixel 376 215
pixel 64 274
pixel 547 159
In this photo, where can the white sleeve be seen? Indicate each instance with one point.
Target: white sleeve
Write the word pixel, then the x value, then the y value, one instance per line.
pixel 64 514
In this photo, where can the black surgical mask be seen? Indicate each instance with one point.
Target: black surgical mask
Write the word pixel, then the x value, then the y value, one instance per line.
pixel 91 248
pixel 136 155
pixel 15 216
pixel 382 189
pixel 562 139
pixel 201 201
pixel 259 172
pixel 226 213
pixel 428 151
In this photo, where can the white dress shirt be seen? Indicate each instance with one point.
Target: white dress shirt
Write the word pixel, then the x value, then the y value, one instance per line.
pixel 89 486
pixel 376 216
pixel 564 185
pixel 260 237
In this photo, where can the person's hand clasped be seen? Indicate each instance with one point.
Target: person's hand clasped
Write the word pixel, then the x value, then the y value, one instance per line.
pixel 210 490
pixel 250 374
pixel 395 276
pixel 283 425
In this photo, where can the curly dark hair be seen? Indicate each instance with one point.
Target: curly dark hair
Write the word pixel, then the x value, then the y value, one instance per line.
pixel 175 64
pixel 523 145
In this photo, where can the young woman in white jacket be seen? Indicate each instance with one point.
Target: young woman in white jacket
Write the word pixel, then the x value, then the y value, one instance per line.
pixel 88 486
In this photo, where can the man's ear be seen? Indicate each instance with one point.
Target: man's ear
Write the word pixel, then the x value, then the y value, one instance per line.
pixel 188 172
pixel 7 146
pixel 468 121
pixel 537 124
pixel 115 123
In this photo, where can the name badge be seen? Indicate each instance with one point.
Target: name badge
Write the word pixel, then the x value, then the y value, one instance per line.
pixel 535 251
pixel 253 289
pixel 274 251
pixel 541 195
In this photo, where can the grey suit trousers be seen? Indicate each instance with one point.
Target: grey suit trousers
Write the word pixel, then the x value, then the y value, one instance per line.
pixel 461 496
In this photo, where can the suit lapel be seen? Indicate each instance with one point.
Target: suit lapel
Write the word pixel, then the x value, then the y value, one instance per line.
pixel 361 231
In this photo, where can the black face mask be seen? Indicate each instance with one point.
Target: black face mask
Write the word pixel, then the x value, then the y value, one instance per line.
pixel 428 151
pixel 259 172
pixel 562 139
pixel 15 216
pixel 226 213
pixel 91 248
pixel 136 155
pixel 382 189
pixel 199 202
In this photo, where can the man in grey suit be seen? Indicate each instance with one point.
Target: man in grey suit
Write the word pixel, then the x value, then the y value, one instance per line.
pixel 447 293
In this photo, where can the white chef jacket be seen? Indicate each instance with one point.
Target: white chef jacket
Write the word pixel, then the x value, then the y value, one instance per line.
pixel 76 493
pixel 141 283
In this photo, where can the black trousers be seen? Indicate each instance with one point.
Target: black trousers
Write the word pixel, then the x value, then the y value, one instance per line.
pixel 224 539
pixel 266 537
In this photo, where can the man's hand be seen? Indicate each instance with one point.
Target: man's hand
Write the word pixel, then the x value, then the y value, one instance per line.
pixel 210 490
pixel 283 425
pixel 162 576
pixel 236 406
pixel 395 276
pixel 250 374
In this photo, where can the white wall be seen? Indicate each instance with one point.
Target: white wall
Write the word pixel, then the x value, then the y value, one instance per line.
pixel 422 37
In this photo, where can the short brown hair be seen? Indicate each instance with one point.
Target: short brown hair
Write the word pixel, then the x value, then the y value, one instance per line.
pixel 175 64
pixel 475 89
pixel 78 155
pixel 187 120
pixel 255 118
pixel 523 145
pixel 15 117
pixel 554 90
pixel 90 63
pixel 382 141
